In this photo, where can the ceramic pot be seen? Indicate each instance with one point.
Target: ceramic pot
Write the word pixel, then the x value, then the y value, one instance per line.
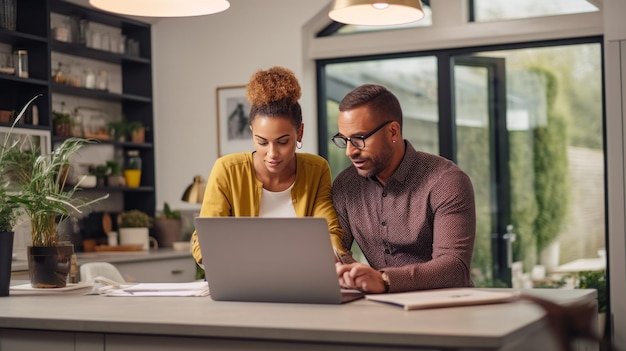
pixel 6 258
pixel 138 236
pixel 167 231
pixel 49 266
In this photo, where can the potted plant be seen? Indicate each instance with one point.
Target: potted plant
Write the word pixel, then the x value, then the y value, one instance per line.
pixel 62 123
pixel 115 177
pixel 101 172
pixel 8 214
pixel 38 190
pixel 595 280
pixel 137 132
pixel 118 129
pixel 46 199
pixel 9 209
pixel 168 227
pixel 134 227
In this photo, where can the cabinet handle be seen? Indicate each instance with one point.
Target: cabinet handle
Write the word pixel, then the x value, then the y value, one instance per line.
pixel 178 271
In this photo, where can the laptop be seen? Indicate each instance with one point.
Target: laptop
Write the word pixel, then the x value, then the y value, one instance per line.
pixel 261 259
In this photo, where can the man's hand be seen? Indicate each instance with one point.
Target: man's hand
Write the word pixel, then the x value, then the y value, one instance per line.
pixel 361 277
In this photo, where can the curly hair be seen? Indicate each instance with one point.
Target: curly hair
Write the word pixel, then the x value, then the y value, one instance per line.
pixel 274 93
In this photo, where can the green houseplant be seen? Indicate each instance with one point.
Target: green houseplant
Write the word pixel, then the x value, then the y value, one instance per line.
pixel 47 200
pixel 136 131
pixel 115 176
pixel 43 195
pixel 118 129
pixel 596 280
pixel 134 226
pixel 62 123
pixel 135 219
pixel 101 172
pixel 9 209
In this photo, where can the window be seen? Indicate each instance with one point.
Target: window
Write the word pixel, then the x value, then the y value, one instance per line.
pixel 490 10
pixel 526 124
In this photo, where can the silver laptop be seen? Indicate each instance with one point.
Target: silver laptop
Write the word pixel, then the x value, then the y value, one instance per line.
pixel 270 260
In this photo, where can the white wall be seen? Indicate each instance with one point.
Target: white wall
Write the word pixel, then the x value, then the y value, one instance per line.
pixel 193 56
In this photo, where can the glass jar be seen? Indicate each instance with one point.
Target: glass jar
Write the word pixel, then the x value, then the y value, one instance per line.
pixel 77 124
pixel 132 170
pixel 20 59
pixel 102 82
pixel 60 74
pixel 89 79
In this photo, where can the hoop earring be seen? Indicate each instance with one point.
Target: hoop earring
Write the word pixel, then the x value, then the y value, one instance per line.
pixel 299 144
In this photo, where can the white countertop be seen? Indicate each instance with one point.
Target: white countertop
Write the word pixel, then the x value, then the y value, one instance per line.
pixel 360 322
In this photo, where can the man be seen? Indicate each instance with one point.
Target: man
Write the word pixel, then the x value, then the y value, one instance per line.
pixel 411 213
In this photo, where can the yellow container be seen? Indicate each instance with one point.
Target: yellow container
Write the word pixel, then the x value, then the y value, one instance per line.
pixel 132 177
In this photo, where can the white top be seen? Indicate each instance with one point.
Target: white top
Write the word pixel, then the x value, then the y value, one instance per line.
pixel 277 203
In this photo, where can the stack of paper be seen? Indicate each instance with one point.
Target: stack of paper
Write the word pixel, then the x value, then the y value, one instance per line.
pixel 105 288
pixel 444 298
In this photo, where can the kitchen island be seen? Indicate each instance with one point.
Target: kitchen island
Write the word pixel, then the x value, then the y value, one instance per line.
pixel 74 321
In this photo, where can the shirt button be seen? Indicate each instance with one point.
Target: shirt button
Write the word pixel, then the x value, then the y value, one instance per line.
pixel 384 194
pixel 387 251
pixel 383 223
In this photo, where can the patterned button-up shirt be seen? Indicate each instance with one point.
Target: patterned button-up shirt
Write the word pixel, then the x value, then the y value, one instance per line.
pixel 419 227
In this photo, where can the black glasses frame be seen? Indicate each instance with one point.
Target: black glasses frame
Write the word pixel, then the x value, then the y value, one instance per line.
pixel 342 142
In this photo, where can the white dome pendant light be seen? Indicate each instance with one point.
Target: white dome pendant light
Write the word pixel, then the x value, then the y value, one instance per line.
pixel 376 12
pixel 162 8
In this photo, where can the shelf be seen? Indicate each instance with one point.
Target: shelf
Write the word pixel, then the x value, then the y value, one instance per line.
pixel 111 189
pixel 25 126
pixel 97 94
pixel 94 54
pixel 124 144
pixel 132 100
pixel 25 81
pixel 13 37
pixel 69 9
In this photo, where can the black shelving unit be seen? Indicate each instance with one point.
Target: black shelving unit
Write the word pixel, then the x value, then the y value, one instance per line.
pixel 33 33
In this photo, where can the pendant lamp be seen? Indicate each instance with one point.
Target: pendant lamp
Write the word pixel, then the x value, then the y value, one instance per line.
pixel 376 12
pixel 162 8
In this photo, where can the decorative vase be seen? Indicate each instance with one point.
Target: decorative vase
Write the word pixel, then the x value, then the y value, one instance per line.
pixel 550 256
pixel 167 231
pixel 49 266
pixel 6 258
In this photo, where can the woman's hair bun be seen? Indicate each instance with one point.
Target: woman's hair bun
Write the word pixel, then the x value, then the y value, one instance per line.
pixel 273 85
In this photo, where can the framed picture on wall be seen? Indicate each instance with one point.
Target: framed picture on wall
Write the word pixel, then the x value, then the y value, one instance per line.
pixel 233 120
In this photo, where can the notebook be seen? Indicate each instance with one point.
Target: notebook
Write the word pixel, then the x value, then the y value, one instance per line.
pixel 438 298
pixel 260 259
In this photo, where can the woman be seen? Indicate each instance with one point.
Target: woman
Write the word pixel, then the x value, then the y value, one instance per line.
pixel 273 180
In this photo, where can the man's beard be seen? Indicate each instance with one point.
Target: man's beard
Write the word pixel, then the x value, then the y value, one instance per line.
pixel 378 162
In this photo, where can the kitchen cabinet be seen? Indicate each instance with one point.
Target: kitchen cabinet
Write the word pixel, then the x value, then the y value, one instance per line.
pixel 154 266
pixel 54 31
pixel 164 270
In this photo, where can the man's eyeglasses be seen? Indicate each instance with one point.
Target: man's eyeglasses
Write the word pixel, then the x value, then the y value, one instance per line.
pixel 358 141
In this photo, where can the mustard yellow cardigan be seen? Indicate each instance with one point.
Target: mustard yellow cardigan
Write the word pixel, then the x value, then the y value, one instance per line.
pixel 234 190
